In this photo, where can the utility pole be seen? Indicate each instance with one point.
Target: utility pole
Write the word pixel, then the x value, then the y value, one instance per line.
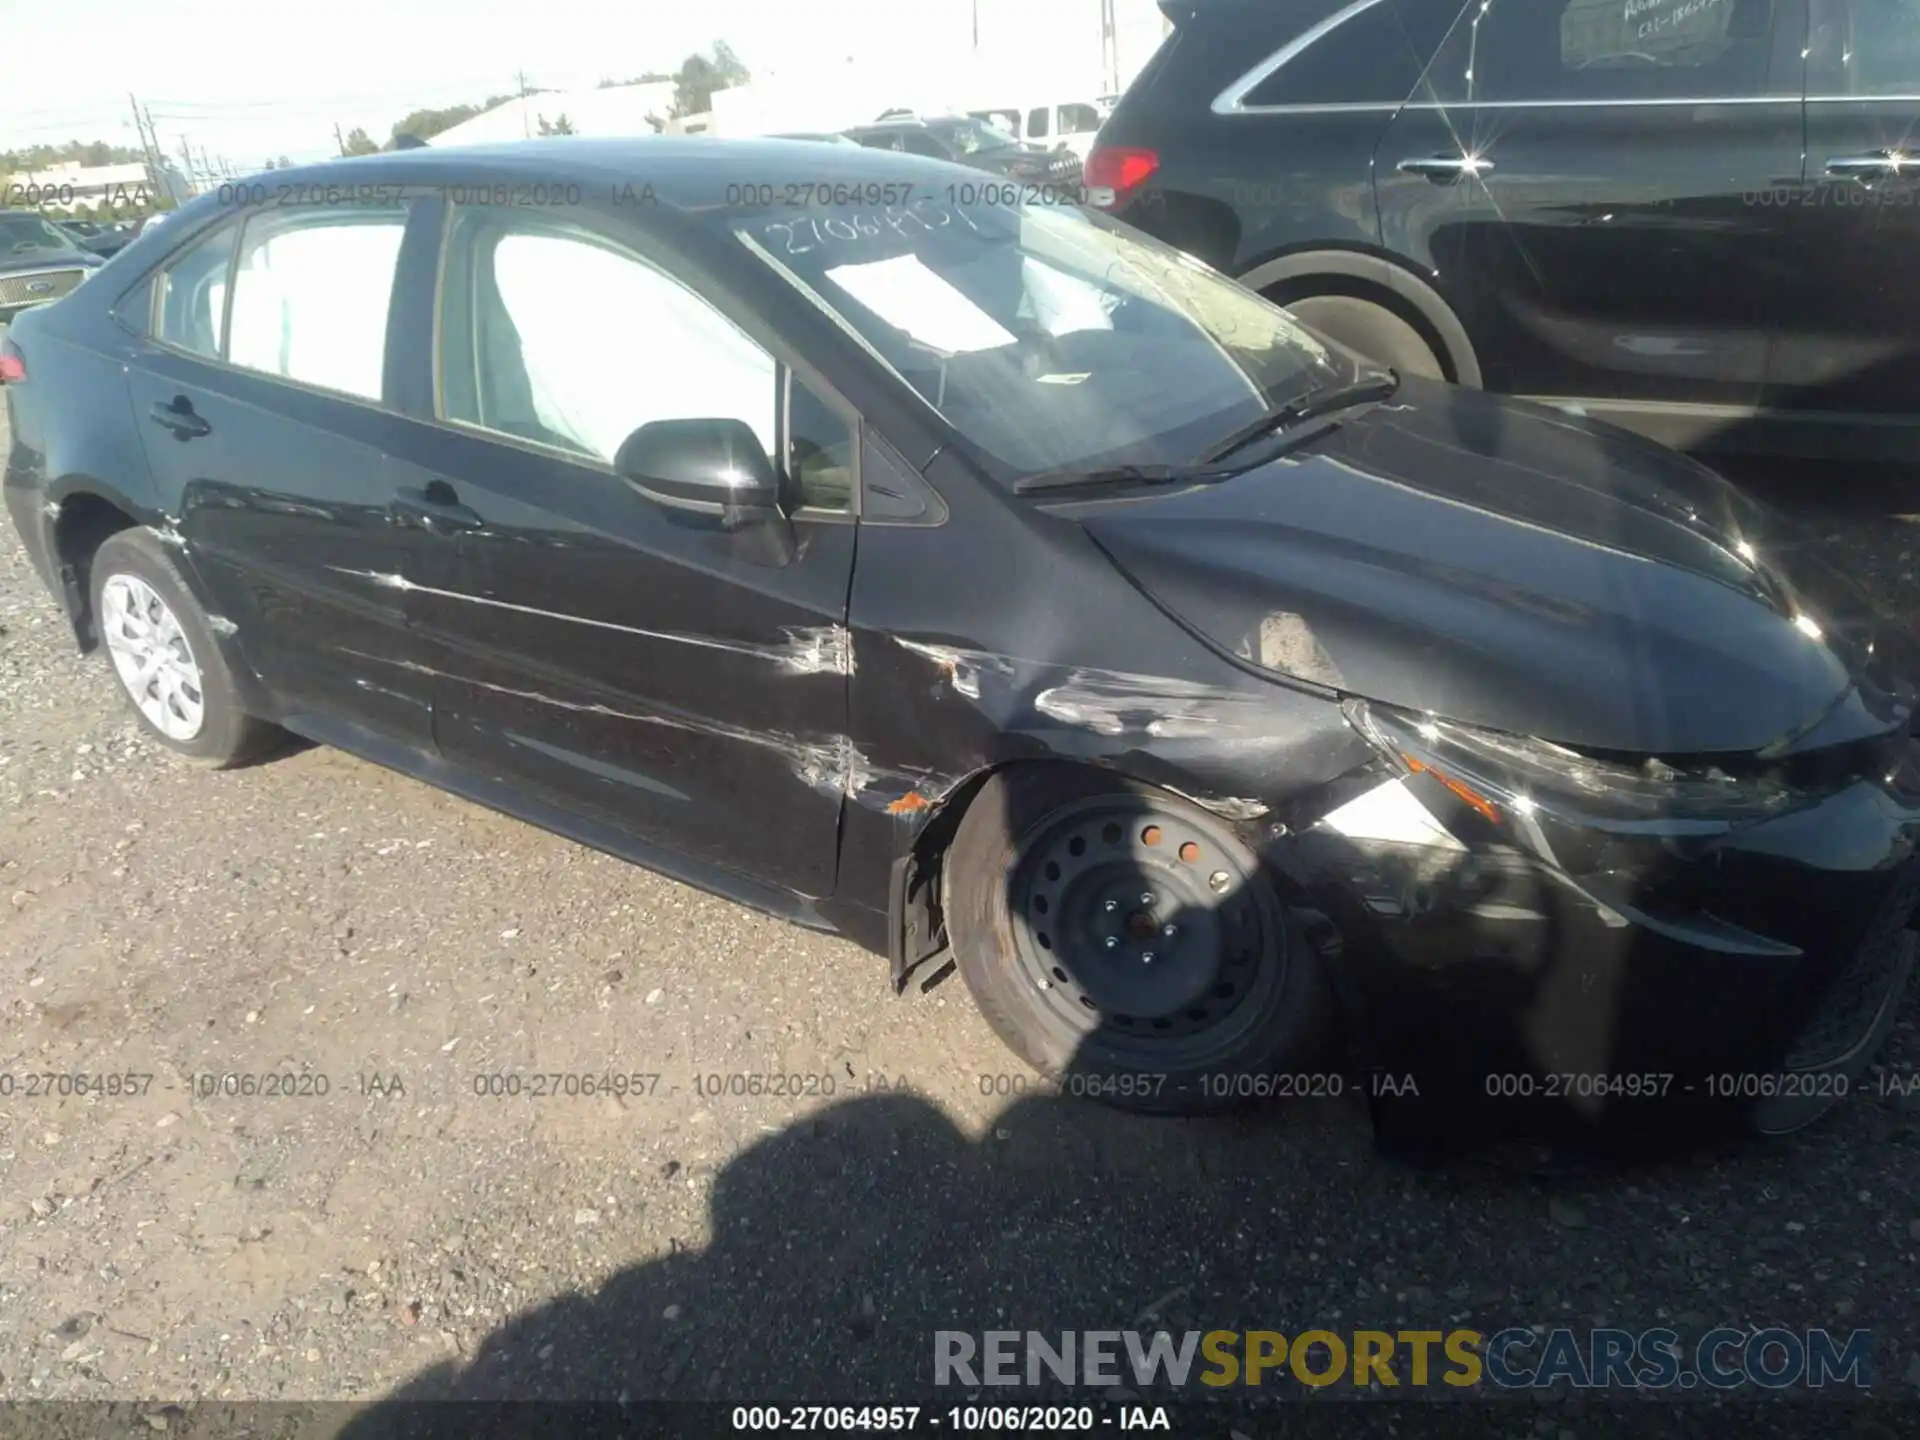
pixel 187 155
pixel 525 133
pixel 336 138
pixel 148 147
pixel 1109 47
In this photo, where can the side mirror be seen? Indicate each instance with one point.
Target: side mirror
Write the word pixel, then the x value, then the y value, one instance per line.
pixel 702 467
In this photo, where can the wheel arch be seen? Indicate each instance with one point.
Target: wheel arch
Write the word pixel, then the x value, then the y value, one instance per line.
pixel 916 920
pixel 1365 275
pixel 83 517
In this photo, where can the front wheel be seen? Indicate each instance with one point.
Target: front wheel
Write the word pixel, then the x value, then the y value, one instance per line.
pixel 1126 944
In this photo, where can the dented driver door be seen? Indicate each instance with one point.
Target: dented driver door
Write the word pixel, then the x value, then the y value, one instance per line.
pixel 643 669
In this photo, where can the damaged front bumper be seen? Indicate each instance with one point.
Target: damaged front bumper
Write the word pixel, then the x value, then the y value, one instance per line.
pixel 1533 937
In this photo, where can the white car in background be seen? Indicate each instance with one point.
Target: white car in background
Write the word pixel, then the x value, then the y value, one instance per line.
pixel 1066 125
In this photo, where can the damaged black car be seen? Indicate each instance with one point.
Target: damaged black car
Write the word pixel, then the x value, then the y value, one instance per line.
pixel 1006 591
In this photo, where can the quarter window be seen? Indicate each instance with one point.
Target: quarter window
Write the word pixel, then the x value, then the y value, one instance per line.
pixel 192 303
pixel 1037 123
pixel 311 296
pixel 1372 56
pixel 1510 51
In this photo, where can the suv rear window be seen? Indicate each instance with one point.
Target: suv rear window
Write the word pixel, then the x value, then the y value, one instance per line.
pixel 1365 56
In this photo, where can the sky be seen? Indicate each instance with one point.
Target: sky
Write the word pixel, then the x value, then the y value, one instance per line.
pixel 253 79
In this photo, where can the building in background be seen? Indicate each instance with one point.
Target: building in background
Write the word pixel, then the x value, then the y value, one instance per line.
pixel 71 187
pixel 614 110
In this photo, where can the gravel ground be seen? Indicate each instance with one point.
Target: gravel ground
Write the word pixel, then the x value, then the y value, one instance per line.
pixel 400 1234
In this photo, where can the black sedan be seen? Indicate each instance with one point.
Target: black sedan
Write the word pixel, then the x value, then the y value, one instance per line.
pixel 976 143
pixel 994 586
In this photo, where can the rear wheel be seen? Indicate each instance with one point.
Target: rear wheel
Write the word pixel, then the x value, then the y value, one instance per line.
pixel 166 657
pixel 1370 330
pixel 1126 943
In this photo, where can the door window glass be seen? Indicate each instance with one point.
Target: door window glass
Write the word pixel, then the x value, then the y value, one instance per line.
pixel 573 342
pixel 311 296
pixel 193 294
pixel 1037 123
pixel 1883 52
pixel 1078 119
pixel 1597 50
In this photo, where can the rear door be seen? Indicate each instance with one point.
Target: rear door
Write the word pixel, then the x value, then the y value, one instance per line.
pixel 263 398
pixel 1586 180
pixel 632 665
pixel 1851 342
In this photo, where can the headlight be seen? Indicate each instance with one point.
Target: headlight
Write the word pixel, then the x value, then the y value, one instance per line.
pixel 1501 777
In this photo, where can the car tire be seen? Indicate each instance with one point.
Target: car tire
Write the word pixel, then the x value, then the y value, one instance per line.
pixel 1059 880
pixel 1848 1029
pixel 1370 330
pixel 167 659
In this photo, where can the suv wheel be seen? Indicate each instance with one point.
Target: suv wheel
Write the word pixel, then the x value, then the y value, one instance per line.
pixel 1126 944
pixel 1370 330
pixel 166 657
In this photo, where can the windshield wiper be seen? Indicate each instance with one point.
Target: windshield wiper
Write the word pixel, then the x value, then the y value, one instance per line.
pixel 1314 405
pixel 1116 475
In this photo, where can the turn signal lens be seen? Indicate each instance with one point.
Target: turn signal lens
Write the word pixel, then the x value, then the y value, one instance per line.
pixel 1473 798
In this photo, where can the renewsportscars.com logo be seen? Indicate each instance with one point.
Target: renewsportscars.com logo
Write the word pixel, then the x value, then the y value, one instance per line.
pixel 1519 1358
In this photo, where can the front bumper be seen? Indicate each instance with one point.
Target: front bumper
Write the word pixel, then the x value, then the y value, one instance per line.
pixel 1741 979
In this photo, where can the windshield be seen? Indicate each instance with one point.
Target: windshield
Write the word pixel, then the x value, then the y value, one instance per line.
pixel 30 235
pixel 1051 338
pixel 969 136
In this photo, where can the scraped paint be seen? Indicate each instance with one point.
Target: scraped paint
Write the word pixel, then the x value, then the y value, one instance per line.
pixel 811 650
pixel 834 767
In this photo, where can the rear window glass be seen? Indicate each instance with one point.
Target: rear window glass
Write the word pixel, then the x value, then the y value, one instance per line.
pixel 1373 57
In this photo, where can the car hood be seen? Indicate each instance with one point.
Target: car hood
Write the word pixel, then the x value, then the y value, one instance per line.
pixel 1505 565
pixel 46 260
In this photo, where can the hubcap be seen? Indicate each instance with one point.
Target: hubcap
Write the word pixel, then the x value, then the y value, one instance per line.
pixel 152 657
pixel 1143 922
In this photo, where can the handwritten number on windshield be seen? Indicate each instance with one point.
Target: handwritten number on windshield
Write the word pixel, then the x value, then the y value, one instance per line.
pixel 811 232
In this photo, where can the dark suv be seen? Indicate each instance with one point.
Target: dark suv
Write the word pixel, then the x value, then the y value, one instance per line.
pixel 1693 217
pixel 968 140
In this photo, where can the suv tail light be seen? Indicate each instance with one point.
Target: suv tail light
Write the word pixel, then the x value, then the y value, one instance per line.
pixel 1117 170
pixel 13 365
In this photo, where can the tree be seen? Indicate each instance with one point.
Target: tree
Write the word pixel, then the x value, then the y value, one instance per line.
pixel 562 126
pixel 360 143
pixel 700 76
pixel 425 124
pixel 84 152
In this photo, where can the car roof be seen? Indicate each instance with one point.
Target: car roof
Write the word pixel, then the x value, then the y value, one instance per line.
pixel 685 172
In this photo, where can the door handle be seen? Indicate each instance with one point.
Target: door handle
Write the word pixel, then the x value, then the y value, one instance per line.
pixel 177 415
pixel 435 508
pixel 1875 163
pixel 1442 169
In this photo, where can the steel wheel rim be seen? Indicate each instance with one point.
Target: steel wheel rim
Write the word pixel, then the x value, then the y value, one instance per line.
pixel 1091 896
pixel 152 657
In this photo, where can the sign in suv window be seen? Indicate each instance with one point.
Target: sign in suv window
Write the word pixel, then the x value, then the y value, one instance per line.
pixel 1543 51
